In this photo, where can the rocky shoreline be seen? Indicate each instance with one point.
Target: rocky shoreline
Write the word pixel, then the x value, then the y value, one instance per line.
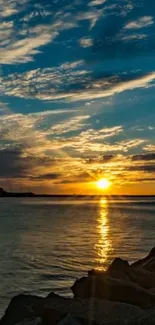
pixel 124 294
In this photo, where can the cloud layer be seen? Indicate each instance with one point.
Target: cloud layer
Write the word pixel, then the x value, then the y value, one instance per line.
pixel 77 93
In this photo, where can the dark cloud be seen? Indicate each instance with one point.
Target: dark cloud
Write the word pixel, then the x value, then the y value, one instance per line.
pixel 81 177
pixel 146 168
pixel 14 165
pixel 116 42
pixel 49 176
pixel 104 158
pixel 145 157
pixel 11 164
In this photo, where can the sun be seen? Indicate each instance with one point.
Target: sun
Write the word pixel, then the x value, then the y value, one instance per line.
pixel 103 184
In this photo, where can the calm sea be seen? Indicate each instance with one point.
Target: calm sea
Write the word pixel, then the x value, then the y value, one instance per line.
pixel 45 244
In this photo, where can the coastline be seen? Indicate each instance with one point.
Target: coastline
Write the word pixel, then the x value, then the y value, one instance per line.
pixel 123 294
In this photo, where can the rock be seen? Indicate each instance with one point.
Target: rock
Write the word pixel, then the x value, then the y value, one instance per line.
pixel 142 277
pixel 50 315
pixel 30 321
pixel 147 319
pixel 146 261
pixel 20 307
pixel 114 290
pixel 95 272
pixel 152 290
pixel 81 311
pixel 119 269
pixel 88 311
pixel 69 320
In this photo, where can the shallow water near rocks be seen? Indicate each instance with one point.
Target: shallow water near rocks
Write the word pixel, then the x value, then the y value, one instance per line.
pixel 46 244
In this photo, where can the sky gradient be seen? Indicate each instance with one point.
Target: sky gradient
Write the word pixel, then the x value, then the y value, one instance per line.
pixel 77 95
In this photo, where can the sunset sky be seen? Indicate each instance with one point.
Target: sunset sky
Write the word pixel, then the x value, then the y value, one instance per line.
pixel 77 96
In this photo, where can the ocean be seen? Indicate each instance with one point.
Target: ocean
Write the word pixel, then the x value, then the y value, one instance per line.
pixel 47 243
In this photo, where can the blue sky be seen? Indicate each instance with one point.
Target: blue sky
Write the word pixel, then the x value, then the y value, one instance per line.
pixel 77 96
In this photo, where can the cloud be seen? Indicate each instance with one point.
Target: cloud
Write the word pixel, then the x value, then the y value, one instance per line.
pixel 150 148
pixel 71 82
pixel 86 42
pixel 144 157
pixel 42 151
pixel 72 124
pixel 10 7
pixel 21 43
pixel 23 50
pixel 96 2
pixel 91 15
pixel 140 23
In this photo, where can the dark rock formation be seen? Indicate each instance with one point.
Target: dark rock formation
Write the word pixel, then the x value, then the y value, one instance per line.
pixel 147 262
pixel 114 290
pixel 20 307
pixel 116 296
pixel 120 269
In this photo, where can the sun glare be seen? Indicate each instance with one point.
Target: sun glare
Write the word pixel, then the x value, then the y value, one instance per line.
pixel 103 184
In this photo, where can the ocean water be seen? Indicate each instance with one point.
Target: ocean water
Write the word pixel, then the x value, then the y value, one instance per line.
pixel 46 244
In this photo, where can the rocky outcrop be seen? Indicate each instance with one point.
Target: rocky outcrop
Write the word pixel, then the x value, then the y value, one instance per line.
pixel 59 310
pixel 20 307
pixel 120 269
pixel 120 295
pixel 147 262
pixel 114 290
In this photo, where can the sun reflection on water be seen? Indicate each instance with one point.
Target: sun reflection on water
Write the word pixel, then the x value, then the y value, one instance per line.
pixel 103 246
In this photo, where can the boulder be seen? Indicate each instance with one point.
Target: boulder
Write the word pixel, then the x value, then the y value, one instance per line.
pixel 87 311
pixel 113 290
pixel 50 315
pixel 119 269
pixel 30 321
pixel 146 261
pixel 20 307
pixel 143 277
pixel 95 272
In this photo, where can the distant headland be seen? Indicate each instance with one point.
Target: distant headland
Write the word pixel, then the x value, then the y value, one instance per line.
pixel 6 194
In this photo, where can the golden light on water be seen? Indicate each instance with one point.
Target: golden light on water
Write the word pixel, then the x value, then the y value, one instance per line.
pixel 103 246
pixel 103 184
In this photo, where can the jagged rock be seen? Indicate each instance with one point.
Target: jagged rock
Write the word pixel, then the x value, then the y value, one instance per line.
pixel 50 315
pixel 119 269
pixel 142 277
pixel 69 320
pixel 88 311
pixel 20 307
pixel 114 290
pixel 147 262
pixel 95 272
pixel 85 311
pixel 147 319
pixel 30 321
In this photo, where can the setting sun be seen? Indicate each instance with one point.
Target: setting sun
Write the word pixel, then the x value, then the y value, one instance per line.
pixel 103 183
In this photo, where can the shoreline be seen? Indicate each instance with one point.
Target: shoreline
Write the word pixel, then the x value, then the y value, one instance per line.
pixel 123 294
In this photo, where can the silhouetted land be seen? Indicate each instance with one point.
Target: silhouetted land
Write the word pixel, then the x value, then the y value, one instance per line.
pixel 6 194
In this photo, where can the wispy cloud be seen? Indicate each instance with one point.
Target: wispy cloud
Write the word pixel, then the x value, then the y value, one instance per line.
pixel 93 16
pixel 11 7
pixel 86 42
pixel 140 23
pixel 96 2
pixel 22 43
pixel 150 148
pixel 72 124
pixel 59 83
